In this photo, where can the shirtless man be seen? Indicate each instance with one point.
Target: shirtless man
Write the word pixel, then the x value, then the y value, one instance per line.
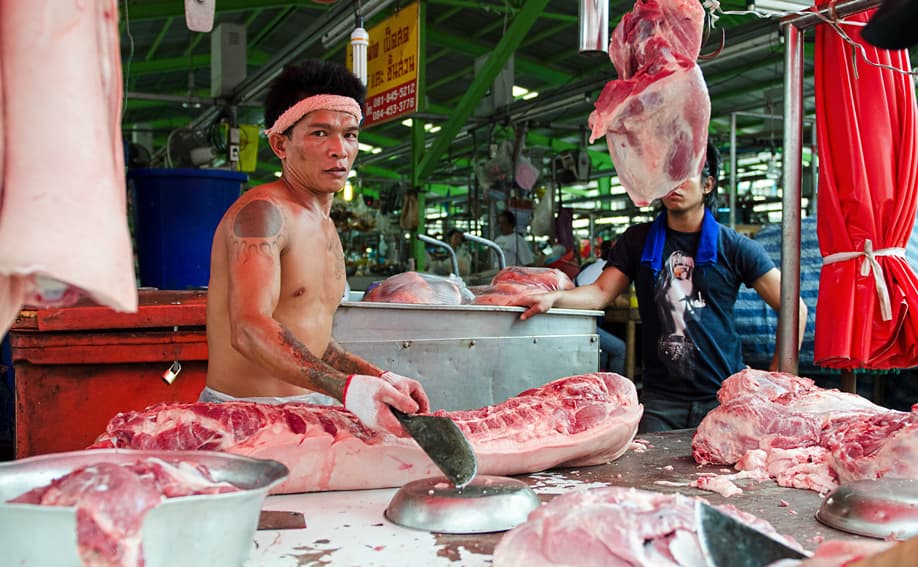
pixel 277 266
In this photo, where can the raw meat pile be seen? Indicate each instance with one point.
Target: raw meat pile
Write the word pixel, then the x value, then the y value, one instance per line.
pixel 63 220
pixel 655 114
pixel 426 289
pixel 514 282
pixel 574 421
pixel 111 501
pixel 613 526
pixel 805 436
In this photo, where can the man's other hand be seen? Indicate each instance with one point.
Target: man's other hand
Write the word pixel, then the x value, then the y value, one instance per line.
pixel 409 387
pixel 370 397
pixel 535 304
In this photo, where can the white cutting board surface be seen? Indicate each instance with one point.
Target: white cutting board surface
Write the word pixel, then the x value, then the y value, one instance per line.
pixel 349 528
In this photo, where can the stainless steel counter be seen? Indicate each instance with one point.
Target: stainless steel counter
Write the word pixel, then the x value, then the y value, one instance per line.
pixel 470 356
pixel 349 528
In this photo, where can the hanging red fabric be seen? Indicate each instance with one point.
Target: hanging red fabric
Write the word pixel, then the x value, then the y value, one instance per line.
pixel 867 132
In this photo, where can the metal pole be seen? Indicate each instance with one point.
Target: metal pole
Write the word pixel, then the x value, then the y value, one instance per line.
pixel 789 316
pixel 732 170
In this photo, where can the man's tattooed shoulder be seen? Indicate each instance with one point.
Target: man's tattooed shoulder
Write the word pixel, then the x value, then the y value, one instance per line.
pixel 259 218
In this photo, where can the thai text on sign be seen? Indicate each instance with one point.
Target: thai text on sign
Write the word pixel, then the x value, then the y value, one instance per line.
pixel 392 66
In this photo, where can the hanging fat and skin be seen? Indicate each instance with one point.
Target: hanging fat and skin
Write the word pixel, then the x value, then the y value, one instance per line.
pixel 63 214
pixel 655 114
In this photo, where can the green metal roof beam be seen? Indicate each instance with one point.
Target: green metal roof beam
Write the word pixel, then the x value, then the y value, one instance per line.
pixel 369 137
pixel 269 28
pixel 501 8
pixel 192 63
pixel 476 49
pixel 376 171
pixel 159 39
pixel 447 16
pixel 514 36
pixel 194 43
pixel 152 9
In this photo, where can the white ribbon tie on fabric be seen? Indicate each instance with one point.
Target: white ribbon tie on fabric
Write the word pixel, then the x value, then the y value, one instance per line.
pixel 870 262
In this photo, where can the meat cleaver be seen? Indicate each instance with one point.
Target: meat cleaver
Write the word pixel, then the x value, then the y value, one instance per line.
pixel 728 542
pixel 444 443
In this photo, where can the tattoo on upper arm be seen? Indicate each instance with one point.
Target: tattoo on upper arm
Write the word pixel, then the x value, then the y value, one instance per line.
pixel 260 218
pixel 257 230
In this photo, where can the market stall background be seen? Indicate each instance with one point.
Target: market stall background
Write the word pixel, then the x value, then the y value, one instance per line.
pixel 178 81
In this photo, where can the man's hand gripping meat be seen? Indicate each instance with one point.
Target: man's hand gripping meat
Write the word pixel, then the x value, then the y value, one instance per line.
pixel 369 398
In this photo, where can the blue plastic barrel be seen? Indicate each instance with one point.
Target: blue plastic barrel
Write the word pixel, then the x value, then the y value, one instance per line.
pixel 176 212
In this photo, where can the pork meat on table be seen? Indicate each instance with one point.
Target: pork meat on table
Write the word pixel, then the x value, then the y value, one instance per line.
pixel 513 282
pixel 805 436
pixel 419 289
pixel 575 421
pixel 613 526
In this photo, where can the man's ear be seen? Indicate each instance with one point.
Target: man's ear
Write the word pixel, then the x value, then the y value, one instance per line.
pixel 708 185
pixel 278 144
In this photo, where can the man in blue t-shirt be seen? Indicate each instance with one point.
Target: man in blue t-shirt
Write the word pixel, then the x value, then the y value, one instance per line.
pixel 687 269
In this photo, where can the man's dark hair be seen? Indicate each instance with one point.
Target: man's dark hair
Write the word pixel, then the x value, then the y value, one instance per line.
pixel 711 169
pixel 508 215
pixel 311 77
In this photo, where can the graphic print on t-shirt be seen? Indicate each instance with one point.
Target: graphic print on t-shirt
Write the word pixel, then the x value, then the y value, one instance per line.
pixel 677 303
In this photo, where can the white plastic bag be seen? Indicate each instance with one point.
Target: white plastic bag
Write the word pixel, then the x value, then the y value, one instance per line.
pixel 543 218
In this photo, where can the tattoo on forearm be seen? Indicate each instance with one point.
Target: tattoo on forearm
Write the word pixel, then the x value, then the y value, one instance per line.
pixel 338 358
pixel 313 369
pixel 335 357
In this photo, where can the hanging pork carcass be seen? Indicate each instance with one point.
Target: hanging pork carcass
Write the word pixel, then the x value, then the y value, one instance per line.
pixel 655 114
pixel 63 222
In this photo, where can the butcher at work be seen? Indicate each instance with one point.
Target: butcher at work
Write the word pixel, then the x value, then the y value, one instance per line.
pixel 687 269
pixel 277 266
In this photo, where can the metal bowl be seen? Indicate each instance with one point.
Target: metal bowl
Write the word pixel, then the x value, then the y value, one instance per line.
pixel 877 508
pixel 213 529
pixel 487 504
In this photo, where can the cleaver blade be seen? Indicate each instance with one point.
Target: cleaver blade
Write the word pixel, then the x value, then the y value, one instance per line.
pixel 444 443
pixel 728 542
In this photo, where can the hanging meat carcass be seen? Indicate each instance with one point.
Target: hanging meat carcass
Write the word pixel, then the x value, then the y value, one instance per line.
pixel 63 214
pixel 655 114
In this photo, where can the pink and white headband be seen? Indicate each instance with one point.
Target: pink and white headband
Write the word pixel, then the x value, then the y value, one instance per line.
pixel 315 102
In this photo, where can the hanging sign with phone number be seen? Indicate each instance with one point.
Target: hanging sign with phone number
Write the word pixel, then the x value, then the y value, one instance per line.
pixel 392 67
